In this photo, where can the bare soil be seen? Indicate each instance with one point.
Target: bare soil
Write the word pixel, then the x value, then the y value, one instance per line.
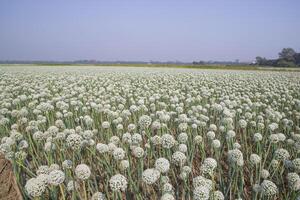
pixel 9 189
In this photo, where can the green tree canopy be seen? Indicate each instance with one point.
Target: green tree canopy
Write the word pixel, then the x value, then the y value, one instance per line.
pixel 287 54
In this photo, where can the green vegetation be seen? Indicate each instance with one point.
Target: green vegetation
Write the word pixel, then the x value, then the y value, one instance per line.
pixel 288 57
pixel 213 67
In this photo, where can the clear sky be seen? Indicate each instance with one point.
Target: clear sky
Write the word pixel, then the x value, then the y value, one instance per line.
pixel 164 30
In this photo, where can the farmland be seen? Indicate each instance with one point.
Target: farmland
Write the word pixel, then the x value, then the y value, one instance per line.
pixel 88 132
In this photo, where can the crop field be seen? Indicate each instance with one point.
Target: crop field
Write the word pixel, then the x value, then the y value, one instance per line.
pixel 139 133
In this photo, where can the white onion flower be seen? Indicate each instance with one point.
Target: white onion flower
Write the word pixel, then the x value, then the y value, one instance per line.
pixel 178 158
pixel 98 196
pixel 119 154
pixel 56 177
pixel 268 188
pixel 35 187
pixel 82 171
pixel 167 141
pixel 162 165
pixel 118 183
pixel 150 176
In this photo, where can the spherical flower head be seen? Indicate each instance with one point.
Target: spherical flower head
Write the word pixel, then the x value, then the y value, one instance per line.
pixel 156 125
pixel 261 126
pixel 167 196
pixel 131 127
pixel 162 165
pixel 54 166
pixel 182 126
pixel 255 159
pixel 208 166
pixel 290 142
pixel 213 127
pixel 183 176
pixel 202 181
pixel 222 129
pixel 114 139
pixel 111 147
pixel 281 154
pixel 53 130
pixel 216 144
pixel 145 121
pixel 198 139
pixel 273 138
pixel 70 185
pixel 44 178
pixel 98 196
pixel 167 188
pixel 35 187
pixel 82 172
pixel 23 144
pixel 136 138
pixel 182 148
pixel 56 177
pixel 274 163
pixel 120 127
pixel 235 157
pixel 105 125
pixel 236 145
pixel 102 148
pixel 87 134
pixel 49 146
pixel 230 134
pixel 268 188
pixel 150 176
pixel 118 183
pixel 124 164
pixel 178 158
pixel 167 141
pixel 43 169
pixel 217 195
pixel 273 126
pixel 294 181
pixel 118 154
pixel 264 173
pixel 211 135
pixel 242 123
pixel 126 138
pixel 138 152
pixel 182 138
pixel 296 164
pixel 74 141
pixel 67 164
pixel 257 137
pixel 201 193
pixel 156 140
pixel 256 188
pixel 186 169
pixel 281 137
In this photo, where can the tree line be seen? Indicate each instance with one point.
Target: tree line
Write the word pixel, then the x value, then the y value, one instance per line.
pixel 288 57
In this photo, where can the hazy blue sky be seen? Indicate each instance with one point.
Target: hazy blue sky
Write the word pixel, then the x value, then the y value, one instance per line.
pixel 163 30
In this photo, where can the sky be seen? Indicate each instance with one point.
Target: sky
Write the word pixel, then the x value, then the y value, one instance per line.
pixel 143 30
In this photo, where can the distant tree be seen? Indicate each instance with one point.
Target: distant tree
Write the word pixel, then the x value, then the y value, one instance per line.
pixel 285 63
pixel 260 60
pixel 287 54
pixel 287 58
pixel 271 62
pixel 199 63
pixel 297 58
